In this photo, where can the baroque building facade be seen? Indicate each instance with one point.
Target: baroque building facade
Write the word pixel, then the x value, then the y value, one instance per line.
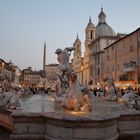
pixel 77 60
pixel 104 36
pixel 51 71
pixel 123 59
pixel 108 54
pixel 32 78
pixel 89 37
pixel 96 39
pixel 81 64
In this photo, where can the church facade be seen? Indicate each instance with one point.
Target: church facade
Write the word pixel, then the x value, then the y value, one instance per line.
pixel 96 39
pixel 77 61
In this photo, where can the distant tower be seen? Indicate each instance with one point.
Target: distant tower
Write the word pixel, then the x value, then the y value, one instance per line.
pixel 44 57
pixel 89 37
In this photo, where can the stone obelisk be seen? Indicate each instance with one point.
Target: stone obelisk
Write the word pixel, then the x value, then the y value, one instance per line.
pixel 44 57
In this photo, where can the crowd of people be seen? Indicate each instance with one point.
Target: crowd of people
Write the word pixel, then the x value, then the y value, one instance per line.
pixel 9 95
pixel 103 91
pixel 128 96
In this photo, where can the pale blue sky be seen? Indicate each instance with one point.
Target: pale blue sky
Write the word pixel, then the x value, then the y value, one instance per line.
pixel 26 24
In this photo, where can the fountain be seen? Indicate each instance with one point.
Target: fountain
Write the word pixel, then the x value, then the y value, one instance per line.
pixel 74 100
pixel 8 99
pixel 9 102
pixel 71 115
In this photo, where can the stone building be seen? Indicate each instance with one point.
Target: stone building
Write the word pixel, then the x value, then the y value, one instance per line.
pixel 51 71
pixel 104 36
pixel 96 39
pixel 32 78
pixel 122 58
pixel 79 64
pixel 16 75
pixel 89 37
pixel 6 71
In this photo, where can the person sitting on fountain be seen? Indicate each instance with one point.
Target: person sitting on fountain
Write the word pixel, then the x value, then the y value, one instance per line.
pixel 90 88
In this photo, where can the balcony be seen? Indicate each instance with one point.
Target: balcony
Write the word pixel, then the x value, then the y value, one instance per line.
pixel 130 66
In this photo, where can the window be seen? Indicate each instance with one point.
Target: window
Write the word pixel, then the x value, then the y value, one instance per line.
pixel 112 48
pixel 123 77
pixel 95 50
pixel 131 48
pixel 98 59
pixel 91 70
pixel 107 50
pixel 107 57
pixel 108 69
pixel 91 35
pixel 130 38
pixel 78 48
pixel 118 66
pixel 130 76
pixel 86 34
pixel 113 67
pixel 98 71
pixel 139 62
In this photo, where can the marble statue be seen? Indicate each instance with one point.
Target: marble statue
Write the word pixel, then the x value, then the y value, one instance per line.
pixel 74 99
pixel 111 94
pixel 63 59
pixel 64 66
pixel 9 100
pixel 130 99
pixel 58 88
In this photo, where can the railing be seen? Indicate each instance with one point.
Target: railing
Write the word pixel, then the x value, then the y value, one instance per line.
pixel 129 67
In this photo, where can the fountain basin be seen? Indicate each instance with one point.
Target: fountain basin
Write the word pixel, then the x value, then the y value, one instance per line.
pixel 55 126
pixel 107 121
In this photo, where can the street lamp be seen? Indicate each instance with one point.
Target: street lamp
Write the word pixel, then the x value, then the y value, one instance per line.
pixel 2 65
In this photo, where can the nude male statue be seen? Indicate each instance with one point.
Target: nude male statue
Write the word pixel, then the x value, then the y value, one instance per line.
pixel 63 59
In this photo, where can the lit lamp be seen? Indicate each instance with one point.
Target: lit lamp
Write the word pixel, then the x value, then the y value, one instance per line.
pixel 2 65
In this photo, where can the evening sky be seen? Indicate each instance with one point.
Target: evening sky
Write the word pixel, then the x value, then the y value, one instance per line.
pixel 26 24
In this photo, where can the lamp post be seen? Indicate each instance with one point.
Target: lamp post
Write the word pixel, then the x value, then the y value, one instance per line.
pixel 2 65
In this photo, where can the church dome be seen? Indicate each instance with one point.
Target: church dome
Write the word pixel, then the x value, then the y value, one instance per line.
pixel 102 28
